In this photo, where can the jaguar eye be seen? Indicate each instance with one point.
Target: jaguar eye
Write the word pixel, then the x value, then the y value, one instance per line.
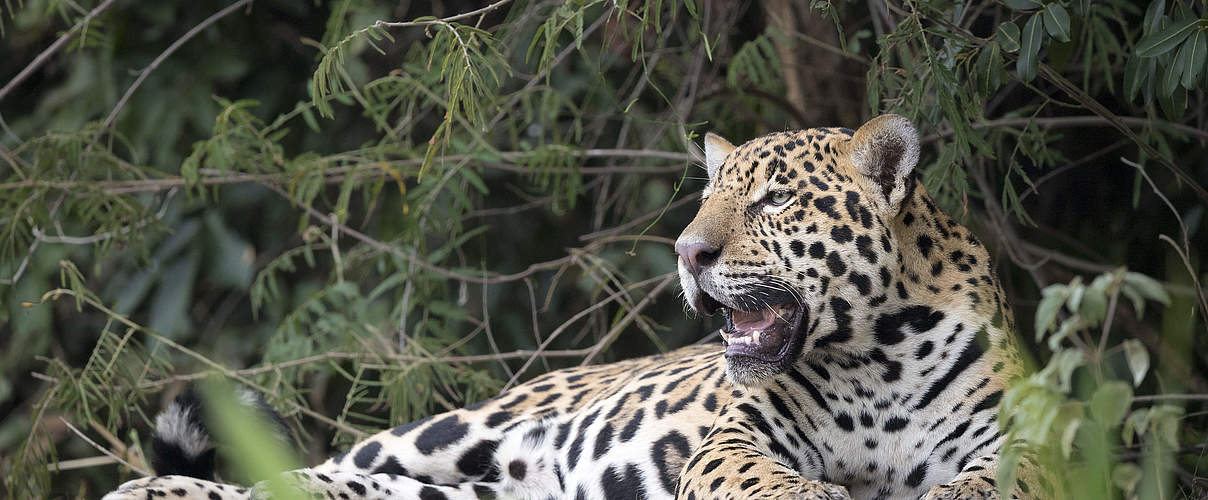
pixel 779 198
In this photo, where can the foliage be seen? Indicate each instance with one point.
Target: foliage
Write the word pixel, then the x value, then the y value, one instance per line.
pixel 371 221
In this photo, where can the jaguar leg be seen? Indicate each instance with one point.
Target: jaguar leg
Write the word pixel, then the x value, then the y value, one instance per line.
pixel 306 483
pixel 729 466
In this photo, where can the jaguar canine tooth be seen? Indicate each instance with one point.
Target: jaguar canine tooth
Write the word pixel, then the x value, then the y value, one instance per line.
pixel 755 336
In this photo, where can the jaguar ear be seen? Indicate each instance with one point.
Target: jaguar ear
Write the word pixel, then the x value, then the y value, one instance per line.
pixel 716 150
pixel 885 150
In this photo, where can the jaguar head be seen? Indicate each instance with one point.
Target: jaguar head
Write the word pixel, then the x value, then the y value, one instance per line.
pixel 792 239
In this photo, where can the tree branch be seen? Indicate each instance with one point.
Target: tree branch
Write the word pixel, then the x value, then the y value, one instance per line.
pixel 54 47
pixel 121 103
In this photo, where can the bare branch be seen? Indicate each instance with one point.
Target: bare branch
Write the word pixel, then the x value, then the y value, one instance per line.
pixel 104 450
pixel 54 47
pixel 121 103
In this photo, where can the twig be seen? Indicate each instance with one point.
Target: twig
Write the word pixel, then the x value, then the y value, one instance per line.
pixel 378 245
pixel 146 185
pixel 579 315
pixel 1185 250
pixel 620 325
pixel 519 94
pixel 637 221
pixel 1073 121
pixel 102 449
pixel 81 463
pixel 1118 122
pixel 227 372
pixel 1161 397
pixel 449 19
pixel 121 103
pixel 54 47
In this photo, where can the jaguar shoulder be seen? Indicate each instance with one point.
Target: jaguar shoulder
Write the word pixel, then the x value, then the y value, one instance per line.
pixel 866 347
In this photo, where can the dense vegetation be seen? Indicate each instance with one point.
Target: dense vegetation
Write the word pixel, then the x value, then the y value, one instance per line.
pixel 371 221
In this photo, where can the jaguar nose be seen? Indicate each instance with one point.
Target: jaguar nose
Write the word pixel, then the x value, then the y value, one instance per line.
pixel 697 254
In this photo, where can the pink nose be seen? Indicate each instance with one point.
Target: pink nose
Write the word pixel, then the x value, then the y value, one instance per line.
pixel 697 254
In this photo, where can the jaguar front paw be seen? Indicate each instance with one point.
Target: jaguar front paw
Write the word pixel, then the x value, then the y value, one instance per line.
pixel 817 490
pixel 978 488
pixel 181 487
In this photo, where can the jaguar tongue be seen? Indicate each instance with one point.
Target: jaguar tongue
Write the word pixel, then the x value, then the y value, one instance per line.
pixel 761 334
pixel 753 320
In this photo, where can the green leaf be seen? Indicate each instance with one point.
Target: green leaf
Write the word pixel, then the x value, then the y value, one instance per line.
pixel 1126 476
pixel 1070 325
pixel 1008 36
pixel 1069 419
pixel 1093 307
pixel 1007 473
pixel 988 69
pixel 1172 74
pixel 1067 437
pixel 1134 78
pixel 1175 104
pixel 1057 21
pixel 1152 83
pixel 1138 359
pixel 1031 40
pixel 255 447
pixel 1067 360
pixel 1110 402
pixel 1197 57
pixel 1164 423
pixel 1046 313
pixel 1147 287
pixel 1153 16
pixel 1156 44
pixel 1135 425
pixel 1023 4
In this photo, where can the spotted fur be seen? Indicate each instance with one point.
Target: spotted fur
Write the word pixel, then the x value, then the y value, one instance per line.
pixel 888 388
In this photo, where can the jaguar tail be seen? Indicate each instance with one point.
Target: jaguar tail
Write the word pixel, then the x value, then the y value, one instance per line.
pixel 182 444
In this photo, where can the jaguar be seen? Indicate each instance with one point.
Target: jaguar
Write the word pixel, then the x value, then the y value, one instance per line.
pixel 866 345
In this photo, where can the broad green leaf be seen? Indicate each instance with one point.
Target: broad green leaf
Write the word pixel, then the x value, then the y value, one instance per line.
pixel 255 447
pixel 1137 300
pixel 1164 423
pixel 1094 305
pixel 988 69
pixel 1007 474
pixel 1152 82
pixel 1172 74
pixel 1165 40
pixel 1138 359
pixel 1023 4
pixel 1069 419
pixel 1067 360
pixel 1126 476
pixel 1008 36
pixel 1057 21
pixel 1134 78
pixel 1077 291
pixel 1153 16
pixel 1135 425
pixel 1110 402
pixel 1196 48
pixel 1067 437
pixel 1147 287
pixel 1070 325
pixel 1175 104
pixel 1029 49
pixel 1050 305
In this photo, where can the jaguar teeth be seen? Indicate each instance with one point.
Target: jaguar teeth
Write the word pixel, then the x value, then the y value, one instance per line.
pixel 755 336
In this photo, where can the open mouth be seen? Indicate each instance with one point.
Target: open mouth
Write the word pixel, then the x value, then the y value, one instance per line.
pixel 771 334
